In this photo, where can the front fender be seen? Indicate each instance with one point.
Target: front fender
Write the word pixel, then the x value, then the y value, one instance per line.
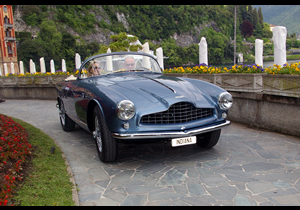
pixel 91 105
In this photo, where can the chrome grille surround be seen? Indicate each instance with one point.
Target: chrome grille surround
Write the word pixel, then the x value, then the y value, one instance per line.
pixel 177 113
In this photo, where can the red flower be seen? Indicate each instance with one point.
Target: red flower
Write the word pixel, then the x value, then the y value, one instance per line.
pixel 14 147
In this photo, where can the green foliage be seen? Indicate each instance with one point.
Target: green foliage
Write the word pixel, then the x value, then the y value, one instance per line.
pixel 148 22
pixel 31 14
pixel 120 43
pixel 31 49
pixel 217 43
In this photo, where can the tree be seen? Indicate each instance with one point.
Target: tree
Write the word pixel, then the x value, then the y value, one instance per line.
pixel 246 29
pixel 216 43
pixel 254 18
pixel 31 49
pixel 260 17
pixel 120 42
pixel 249 14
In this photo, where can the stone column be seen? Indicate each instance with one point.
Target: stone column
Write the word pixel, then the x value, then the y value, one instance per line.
pixel 259 51
pixel 52 67
pixel 42 65
pixel 160 57
pixel 203 51
pixel 21 67
pixel 279 39
pixel 77 61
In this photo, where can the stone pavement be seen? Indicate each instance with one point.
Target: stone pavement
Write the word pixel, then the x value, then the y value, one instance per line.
pixel 247 167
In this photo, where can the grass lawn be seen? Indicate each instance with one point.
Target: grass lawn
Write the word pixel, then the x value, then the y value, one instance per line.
pixel 48 182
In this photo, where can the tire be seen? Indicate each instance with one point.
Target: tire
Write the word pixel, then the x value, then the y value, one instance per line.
pixel 208 140
pixel 66 122
pixel 107 146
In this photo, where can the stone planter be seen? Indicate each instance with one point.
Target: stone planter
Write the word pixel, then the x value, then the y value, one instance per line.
pixel 41 80
pixel 242 82
pixel 8 81
pixel 58 78
pixel 230 82
pixel 176 75
pixel 25 80
pixel 211 78
pixel 283 85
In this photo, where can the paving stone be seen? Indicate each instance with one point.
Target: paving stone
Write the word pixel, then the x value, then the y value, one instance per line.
pixel 247 167
pixel 141 189
pixel 172 177
pixel 98 173
pixel 222 192
pixel 135 200
pixel 89 197
pixel 106 202
pixel 196 201
pixel 196 189
pixel 114 195
pixel 241 200
pixel 281 184
pixel 293 200
pixel 213 163
pixel 260 166
pixel 120 179
pixel 213 180
pixel 259 187
pixel 90 189
pixel 181 189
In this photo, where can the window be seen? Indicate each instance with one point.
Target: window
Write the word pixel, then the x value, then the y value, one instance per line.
pixel 6 19
pixel 9 49
pixel 7 33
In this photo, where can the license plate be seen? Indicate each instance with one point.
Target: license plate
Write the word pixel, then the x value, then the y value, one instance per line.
pixel 184 141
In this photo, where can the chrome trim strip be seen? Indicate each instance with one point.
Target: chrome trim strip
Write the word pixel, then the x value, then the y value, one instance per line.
pixel 174 134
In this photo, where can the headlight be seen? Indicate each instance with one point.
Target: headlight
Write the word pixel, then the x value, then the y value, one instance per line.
pixel 225 100
pixel 125 110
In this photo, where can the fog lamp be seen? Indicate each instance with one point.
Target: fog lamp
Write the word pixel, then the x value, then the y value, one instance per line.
pixel 224 115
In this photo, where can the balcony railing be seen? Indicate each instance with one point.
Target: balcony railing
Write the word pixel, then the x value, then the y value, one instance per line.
pixel 8 25
pixel 9 38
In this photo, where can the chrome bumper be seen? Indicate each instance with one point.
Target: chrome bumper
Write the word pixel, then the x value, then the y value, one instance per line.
pixel 173 134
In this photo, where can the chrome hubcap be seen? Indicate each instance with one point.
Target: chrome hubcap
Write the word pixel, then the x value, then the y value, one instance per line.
pixel 97 134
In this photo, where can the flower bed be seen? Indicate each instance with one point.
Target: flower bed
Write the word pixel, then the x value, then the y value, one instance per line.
pixel 292 69
pixel 14 148
pixel 27 74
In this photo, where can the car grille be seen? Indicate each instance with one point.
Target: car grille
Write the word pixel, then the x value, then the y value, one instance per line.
pixel 178 113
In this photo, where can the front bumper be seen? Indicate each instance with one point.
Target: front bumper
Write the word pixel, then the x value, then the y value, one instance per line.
pixel 173 134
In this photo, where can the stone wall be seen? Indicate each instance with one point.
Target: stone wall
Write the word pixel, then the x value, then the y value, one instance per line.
pixel 259 100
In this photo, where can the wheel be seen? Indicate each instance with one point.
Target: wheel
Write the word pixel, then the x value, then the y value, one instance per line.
pixel 66 122
pixel 208 140
pixel 107 146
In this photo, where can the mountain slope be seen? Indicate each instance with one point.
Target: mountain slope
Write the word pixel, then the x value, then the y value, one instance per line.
pixel 282 15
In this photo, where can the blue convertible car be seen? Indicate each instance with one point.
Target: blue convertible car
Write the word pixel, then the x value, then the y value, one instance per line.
pixel 124 96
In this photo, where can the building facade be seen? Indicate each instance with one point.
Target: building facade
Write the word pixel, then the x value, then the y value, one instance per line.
pixel 8 45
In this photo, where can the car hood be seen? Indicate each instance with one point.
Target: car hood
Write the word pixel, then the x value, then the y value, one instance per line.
pixel 157 89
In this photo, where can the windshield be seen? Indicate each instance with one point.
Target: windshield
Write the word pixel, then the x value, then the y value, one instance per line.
pixel 112 63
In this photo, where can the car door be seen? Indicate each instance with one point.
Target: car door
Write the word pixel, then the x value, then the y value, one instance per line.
pixel 82 95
